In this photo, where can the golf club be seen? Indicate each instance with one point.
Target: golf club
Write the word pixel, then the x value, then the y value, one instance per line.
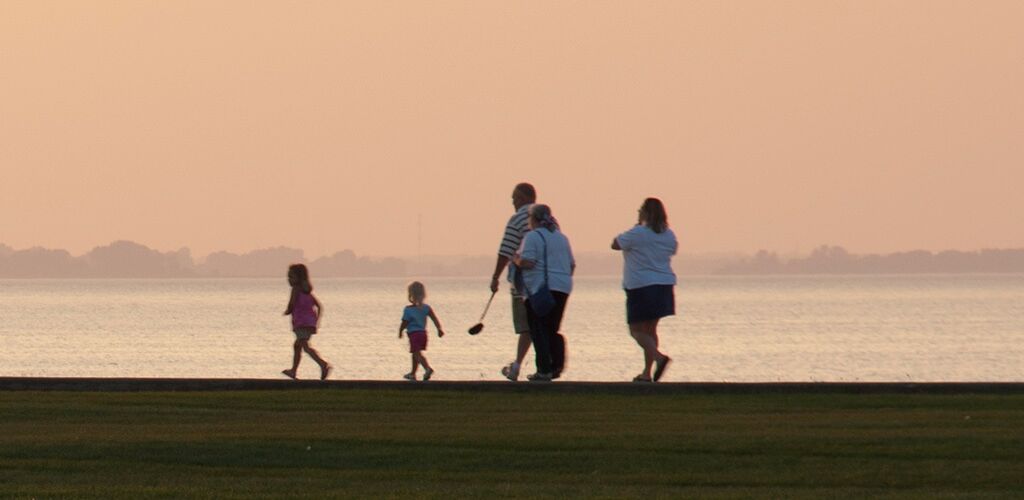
pixel 477 328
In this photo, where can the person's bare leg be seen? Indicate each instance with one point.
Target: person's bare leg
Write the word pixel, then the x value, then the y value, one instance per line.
pixel 523 347
pixel 325 367
pixel 652 330
pixel 646 342
pixel 297 354
pixel 423 361
pixel 660 359
pixel 296 357
pixel 313 354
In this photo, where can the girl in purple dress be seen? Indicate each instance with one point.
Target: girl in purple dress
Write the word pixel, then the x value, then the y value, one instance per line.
pixel 305 311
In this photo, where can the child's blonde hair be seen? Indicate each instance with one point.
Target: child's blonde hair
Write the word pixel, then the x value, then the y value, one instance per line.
pixel 417 293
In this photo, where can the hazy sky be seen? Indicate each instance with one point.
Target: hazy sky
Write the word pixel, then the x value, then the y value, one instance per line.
pixel 878 126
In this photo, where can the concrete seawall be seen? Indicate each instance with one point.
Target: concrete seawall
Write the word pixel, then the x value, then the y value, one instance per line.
pixel 205 384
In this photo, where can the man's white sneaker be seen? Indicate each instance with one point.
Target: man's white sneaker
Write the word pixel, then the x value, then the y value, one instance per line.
pixel 510 372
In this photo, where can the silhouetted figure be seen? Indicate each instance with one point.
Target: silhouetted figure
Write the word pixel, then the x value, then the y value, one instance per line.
pixel 649 282
pixel 522 197
pixel 414 320
pixel 546 261
pixel 306 312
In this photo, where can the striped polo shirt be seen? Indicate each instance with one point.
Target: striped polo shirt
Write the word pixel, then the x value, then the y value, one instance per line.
pixel 515 229
pixel 517 226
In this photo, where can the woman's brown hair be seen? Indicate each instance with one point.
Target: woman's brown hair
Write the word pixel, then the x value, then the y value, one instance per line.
pixel 654 215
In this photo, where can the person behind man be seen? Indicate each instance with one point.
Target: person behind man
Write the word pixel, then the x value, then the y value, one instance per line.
pixel 546 261
pixel 523 196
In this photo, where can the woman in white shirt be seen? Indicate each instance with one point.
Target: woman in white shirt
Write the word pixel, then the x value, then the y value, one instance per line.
pixel 546 257
pixel 649 282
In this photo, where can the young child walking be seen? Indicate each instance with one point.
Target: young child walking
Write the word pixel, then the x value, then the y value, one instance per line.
pixel 306 312
pixel 414 320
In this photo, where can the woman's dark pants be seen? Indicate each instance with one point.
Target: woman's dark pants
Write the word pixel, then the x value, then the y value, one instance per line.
pixel 542 328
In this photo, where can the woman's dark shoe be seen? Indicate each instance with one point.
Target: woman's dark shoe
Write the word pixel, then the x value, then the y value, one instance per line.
pixel 539 377
pixel 641 378
pixel 290 374
pixel 659 369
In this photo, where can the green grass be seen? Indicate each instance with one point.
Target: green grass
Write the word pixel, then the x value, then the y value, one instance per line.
pixel 435 443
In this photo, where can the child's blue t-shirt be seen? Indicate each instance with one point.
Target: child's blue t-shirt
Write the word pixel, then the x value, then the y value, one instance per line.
pixel 417 317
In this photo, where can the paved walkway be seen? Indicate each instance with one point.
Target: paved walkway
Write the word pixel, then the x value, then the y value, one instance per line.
pixel 200 384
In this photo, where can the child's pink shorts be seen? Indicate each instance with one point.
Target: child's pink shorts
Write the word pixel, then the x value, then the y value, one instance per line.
pixel 417 341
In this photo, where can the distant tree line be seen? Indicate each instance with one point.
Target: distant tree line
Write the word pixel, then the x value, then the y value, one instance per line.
pixel 836 260
pixel 126 259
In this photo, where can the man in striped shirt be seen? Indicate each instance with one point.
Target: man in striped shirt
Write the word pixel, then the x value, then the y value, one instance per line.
pixel 523 196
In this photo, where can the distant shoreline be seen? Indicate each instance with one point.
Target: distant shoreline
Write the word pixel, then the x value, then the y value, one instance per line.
pixel 126 259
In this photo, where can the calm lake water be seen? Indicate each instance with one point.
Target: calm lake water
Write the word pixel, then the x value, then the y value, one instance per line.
pixel 803 328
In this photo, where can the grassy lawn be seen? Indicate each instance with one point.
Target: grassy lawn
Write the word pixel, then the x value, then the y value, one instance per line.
pixel 439 443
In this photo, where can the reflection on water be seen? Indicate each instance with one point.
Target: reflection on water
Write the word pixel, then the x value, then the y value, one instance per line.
pixel 817 328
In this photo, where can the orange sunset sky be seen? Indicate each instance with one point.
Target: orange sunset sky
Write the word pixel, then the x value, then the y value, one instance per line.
pixel 222 125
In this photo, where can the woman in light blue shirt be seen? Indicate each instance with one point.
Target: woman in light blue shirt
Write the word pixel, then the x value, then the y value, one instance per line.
pixel 649 282
pixel 546 257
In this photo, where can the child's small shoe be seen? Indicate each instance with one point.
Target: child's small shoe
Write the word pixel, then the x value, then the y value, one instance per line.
pixel 427 374
pixel 409 376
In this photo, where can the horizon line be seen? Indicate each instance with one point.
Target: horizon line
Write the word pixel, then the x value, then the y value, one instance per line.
pixel 414 257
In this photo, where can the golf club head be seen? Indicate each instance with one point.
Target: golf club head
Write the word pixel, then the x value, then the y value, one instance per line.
pixel 475 329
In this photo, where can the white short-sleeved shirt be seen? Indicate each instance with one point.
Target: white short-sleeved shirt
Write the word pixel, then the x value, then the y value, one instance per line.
pixel 559 260
pixel 647 256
